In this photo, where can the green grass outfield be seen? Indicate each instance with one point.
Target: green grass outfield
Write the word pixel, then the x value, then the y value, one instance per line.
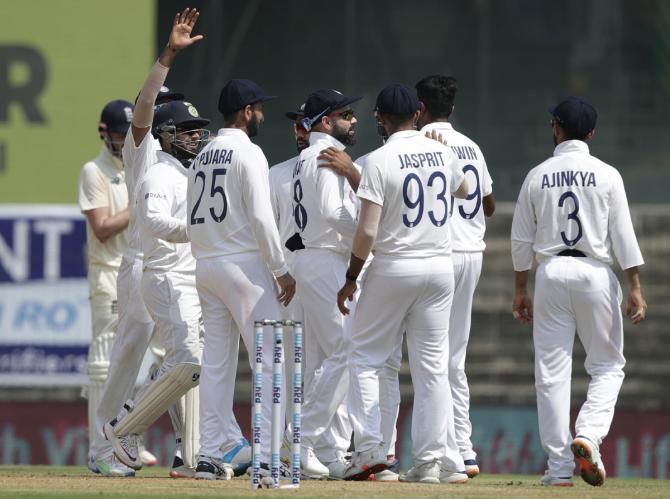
pixel 78 482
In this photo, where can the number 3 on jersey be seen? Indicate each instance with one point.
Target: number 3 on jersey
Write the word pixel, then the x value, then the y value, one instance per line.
pixel 216 191
pixel 571 216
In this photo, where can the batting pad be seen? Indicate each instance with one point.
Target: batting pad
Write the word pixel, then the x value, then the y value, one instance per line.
pixel 164 392
pixel 190 434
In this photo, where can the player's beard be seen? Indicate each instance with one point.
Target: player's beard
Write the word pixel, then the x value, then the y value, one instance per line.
pixel 301 144
pixel 346 136
pixel 252 126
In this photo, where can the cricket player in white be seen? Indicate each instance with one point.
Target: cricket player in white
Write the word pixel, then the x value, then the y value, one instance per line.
pixel 103 199
pixel 326 223
pixel 467 226
pixel 572 215
pixel 237 249
pixel 405 195
pixel 136 326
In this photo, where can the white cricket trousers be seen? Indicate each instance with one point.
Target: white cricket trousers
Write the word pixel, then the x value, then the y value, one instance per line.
pixel 104 321
pixel 133 335
pixel 467 269
pixel 415 294
pixel 172 301
pixel 579 294
pixel 235 291
pixel 319 274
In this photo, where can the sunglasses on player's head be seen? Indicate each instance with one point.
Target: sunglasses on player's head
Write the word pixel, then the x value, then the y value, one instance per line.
pixel 346 115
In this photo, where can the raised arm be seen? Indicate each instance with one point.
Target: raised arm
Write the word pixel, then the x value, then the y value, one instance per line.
pixel 180 38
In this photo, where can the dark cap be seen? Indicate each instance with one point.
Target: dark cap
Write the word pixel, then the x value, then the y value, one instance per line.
pixel 177 113
pixel 239 93
pixel 575 115
pixel 323 102
pixel 294 115
pixel 397 99
pixel 167 95
pixel 116 116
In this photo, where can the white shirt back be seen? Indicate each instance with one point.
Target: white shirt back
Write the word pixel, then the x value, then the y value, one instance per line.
pixel 575 201
pixel 468 223
pixel 229 206
pixel 411 177
pixel 280 177
pixel 162 217
pixel 136 161
pixel 321 212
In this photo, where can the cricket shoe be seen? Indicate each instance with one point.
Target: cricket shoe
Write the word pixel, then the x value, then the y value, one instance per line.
pixel 556 481
pixel 337 468
pixel 239 457
pixel 147 458
pixel 422 473
pixel 384 476
pixel 109 466
pixel 265 471
pixel 588 457
pixel 180 470
pixel 210 468
pixel 363 464
pixel 448 476
pixel 471 468
pixel 311 467
pixel 125 447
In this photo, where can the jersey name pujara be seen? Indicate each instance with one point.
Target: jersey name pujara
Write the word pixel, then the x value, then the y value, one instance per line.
pixel 569 178
pixel 214 157
pixel 419 160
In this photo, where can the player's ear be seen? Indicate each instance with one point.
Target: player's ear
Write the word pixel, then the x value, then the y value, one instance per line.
pixel 590 135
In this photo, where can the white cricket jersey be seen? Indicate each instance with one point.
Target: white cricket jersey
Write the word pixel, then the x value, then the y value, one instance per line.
pixel 280 177
pixel 322 214
pixel 229 206
pixel 573 201
pixel 411 177
pixel 137 160
pixel 102 184
pixel 468 223
pixel 161 209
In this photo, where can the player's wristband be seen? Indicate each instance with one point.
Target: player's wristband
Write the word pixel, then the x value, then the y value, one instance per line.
pixel 355 267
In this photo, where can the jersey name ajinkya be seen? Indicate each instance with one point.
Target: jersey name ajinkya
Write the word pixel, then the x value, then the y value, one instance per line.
pixel 569 178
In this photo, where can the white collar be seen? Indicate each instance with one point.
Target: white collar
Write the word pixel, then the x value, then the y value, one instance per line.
pixel 169 159
pixel 404 134
pixel 437 125
pixel 233 132
pixel 315 137
pixel 571 146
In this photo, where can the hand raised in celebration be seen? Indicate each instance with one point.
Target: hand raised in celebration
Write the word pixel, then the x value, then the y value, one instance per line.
pixel 182 26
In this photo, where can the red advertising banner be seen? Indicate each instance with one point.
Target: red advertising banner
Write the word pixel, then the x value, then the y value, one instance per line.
pixel 506 439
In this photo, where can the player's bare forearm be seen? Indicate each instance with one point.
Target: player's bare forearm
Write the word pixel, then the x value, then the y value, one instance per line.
pixel 522 306
pixel 636 306
pixel 489 203
pixel 106 226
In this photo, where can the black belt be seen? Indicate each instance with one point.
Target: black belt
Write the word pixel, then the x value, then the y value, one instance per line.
pixel 572 252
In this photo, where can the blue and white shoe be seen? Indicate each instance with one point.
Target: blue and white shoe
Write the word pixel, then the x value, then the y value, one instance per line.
pixel 239 457
pixel 109 466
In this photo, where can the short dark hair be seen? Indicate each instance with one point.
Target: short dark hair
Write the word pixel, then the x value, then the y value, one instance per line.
pixel 398 119
pixel 437 93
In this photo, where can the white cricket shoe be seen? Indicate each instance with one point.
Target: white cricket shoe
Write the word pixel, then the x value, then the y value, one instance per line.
pixel 109 466
pixel 447 476
pixel 384 476
pixel 125 447
pixel 363 464
pixel 147 458
pixel 310 466
pixel 588 456
pixel 211 468
pixel 471 468
pixel 422 473
pixel 555 481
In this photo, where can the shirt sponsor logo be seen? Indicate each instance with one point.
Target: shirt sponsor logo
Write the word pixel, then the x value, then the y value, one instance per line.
pixel 154 195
